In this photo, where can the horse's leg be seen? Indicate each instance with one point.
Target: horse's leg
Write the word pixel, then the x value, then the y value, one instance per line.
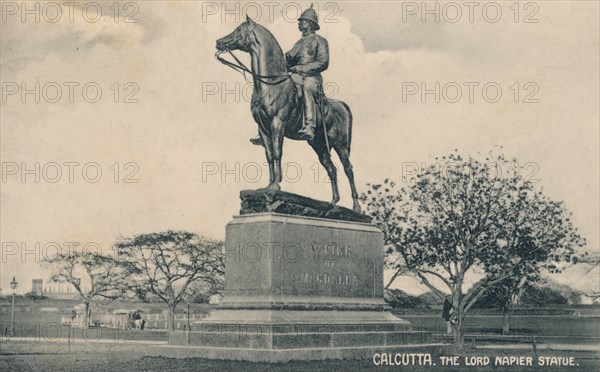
pixel 276 142
pixel 345 159
pixel 325 160
pixel 269 154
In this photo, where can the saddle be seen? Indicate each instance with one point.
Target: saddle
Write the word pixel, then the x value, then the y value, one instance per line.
pixel 324 106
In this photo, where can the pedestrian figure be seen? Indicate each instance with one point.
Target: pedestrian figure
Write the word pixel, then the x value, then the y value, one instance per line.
pixel 447 315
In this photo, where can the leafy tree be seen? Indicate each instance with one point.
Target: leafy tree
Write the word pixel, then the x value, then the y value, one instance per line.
pixel 92 275
pixel 462 217
pixel 430 299
pixel 399 299
pixel 167 264
pixel 541 296
pixel 202 292
pixel 503 296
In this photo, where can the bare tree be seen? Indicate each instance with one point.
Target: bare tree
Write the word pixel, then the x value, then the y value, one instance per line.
pixel 92 275
pixel 167 264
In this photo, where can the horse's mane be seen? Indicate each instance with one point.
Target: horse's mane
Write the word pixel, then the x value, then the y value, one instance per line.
pixel 264 36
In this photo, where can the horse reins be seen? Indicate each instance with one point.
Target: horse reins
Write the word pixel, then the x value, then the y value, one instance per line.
pixel 241 68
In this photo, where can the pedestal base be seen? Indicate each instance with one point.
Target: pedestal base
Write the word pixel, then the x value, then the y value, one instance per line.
pixel 300 288
pixel 299 339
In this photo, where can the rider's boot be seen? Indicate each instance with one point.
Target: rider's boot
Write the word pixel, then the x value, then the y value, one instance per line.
pixel 308 130
pixel 310 114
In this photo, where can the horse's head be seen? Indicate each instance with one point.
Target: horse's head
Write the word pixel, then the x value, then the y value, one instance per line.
pixel 239 39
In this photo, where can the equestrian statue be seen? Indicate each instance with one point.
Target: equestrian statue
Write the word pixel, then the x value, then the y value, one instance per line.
pixel 288 98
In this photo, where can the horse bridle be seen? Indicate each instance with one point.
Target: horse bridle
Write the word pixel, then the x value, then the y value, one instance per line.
pixel 241 67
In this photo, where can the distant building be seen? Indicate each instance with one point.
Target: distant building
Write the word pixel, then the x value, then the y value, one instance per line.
pixel 37 286
pixel 62 291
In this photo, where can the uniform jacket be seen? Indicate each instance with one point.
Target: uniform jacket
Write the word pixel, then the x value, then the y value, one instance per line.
pixel 310 55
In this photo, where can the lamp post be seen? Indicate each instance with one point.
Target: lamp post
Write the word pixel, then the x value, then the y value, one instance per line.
pixel 13 286
pixel 188 317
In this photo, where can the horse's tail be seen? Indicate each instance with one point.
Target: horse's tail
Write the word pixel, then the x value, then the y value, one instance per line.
pixel 349 125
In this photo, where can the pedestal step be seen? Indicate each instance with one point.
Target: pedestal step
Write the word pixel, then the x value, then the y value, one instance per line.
pixel 248 339
pixel 427 351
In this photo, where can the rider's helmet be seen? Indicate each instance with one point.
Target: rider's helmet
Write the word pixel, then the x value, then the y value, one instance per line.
pixel 310 15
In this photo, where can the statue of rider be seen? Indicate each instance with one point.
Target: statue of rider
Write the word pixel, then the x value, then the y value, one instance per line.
pixel 306 60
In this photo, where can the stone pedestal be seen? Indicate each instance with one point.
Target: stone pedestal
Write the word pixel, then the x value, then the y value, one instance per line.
pixel 284 262
pixel 300 287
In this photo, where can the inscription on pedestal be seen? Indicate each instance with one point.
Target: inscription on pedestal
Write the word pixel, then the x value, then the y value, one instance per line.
pixel 329 256
pixel 327 279
pixel 292 256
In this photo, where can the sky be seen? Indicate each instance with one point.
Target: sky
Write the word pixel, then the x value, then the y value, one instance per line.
pixel 137 128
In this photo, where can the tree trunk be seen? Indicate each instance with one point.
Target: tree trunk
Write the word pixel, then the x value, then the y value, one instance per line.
pixel 457 334
pixel 506 322
pixel 85 320
pixel 171 322
pixel 457 318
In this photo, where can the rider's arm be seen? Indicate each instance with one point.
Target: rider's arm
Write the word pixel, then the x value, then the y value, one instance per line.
pixel 321 60
pixel 292 56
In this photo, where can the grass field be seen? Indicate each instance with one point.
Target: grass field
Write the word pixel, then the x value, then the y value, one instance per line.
pixel 576 329
pixel 40 345
pixel 565 329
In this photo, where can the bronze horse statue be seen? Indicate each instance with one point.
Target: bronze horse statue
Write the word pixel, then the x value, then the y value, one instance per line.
pixel 278 109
